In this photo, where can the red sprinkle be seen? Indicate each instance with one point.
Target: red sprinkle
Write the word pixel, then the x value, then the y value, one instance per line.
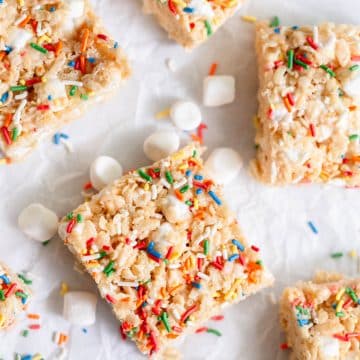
pixel 140 245
pixel 200 132
pixel 43 107
pixel 152 257
pixel 201 330
pixel 355 57
pixel 106 247
pixel 90 242
pixel 291 99
pixel 70 226
pixel 255 248
pixel 241 259
pixel 188 312
pixel 33 81
pixel 170 252
pixel 177 329
pixel 6 135
pixel 304 59
pixel 312 130
pixel 341 337
pixel 172 7
pixel 110 299
pixel 200 263
pixel 278 63
pixel 312 43
pixel 217 317
pixel 122 332
pixel 102 36
pixel 284 346
pixel 213 69
pixel 192 25
pixel 87 186
pixel 217 265
pixel 270 113
pixel 153 341
pixel 11 290
pixel 34 326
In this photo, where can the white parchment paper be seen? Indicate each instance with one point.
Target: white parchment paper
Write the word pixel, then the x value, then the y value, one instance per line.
pixel 273 218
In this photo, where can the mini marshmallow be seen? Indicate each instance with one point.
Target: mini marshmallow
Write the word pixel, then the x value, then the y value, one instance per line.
pixel 76 8
pixel 18 38
pixel 161 144
pixel 103 171
pixel 351 85
pixel 185 115
pixel 80 308
pixel 175 211
pixel 38 222
pixel 223 165
pixel 218 90
pixel 329 347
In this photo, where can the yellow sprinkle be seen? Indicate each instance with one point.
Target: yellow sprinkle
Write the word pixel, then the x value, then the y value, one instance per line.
pixel 37 357
pixel 324 176
pixel 216 294
pixel 339 305
pixel 196 203
pixel 249 18
pixel 64 288
pixel 232 290
pixel 22 82
pixel 183 167
pixel 192 261
pixel 162 114
pixel 21 2
pixel 234 249
pixel 44 38
pixel 146 186
pixel 174 255
pixel 3 161
pixel 340 294
pixel 2 320
pixel 91 93
pixel 353 254
pixel 178 155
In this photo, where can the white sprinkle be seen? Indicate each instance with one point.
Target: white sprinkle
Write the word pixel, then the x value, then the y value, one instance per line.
pixel 316 35
pixel 19 110
pixel 176 314
pixel 68 145
pixel 225 254
pixel 90 257
pixel 201 256
pixel 127 283
pixel 203 276
pixel 174 266
pixel 21 96
pixel 133 243
pixel 133 235
pixel 72 82
pixel 218 253
pixel 154 192
pixel 180 183
pixel 20 19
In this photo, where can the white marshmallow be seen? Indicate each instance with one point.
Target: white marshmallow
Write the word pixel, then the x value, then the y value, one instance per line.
pixel 38 222
pixel 185 115
pixel 223 165
pixel 174 210
pixel 218 90
pixel 103 171
pixel 76 8
pixel 18 38
pixel 329 347
pixel 161 144
pixel 80 308
pixel 351 86
pixel 202 8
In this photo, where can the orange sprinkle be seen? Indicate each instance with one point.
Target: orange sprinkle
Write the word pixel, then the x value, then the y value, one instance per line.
pixel 33 316
pixel 2 54
pixel 58 48
pixel 8 119
pixel 82 61
pixel 213 68
pixel 25 21
pixel 287 104
pixel 84 40
pixel 352 108
pixel 163 292
pixel 174 288
pixel 179 195
pixel 196 138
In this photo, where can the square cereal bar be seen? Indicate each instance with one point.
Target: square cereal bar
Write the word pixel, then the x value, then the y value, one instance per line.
pixel 321 319
pixel 164 249
pixel 190 22
pixel 14 295
pixel 55 61
pixel 308 124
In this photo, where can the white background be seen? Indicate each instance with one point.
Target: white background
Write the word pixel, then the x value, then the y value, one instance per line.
pixel 273 218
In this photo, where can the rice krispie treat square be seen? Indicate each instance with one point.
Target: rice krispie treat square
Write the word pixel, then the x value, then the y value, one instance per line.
pixel 55 61
pixel 190 22
pixel 14 295
pixel 164 249
pixel 308 124
pixel 321 319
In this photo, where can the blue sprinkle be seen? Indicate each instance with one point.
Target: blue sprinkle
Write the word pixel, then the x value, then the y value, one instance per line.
pixel 214 197
pixel 26 357
pixel 71 63
pixel 84 330
pixel 333 306
pixel 52 9
pixel 91 60
pixel 313 227
pixel 150 249
pixel 1 1
pixel 64 136
pixel 199 191
pixel 233 257
pixel 49 97
pixel 302 322
pixel 188 10
pixel 56 139
pixel 116 45
pixel 144 304
pixel 151 245
pixel 188 173
pixel 198 177
pixel 8 49
pixel 5 279
pixel 238 244
pixel 4 97
pixel 277 30
pixel 196 285
pixel 295 27
pixel 23 300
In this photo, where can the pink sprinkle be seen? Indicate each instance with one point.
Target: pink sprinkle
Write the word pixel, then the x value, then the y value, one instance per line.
pixel 34 326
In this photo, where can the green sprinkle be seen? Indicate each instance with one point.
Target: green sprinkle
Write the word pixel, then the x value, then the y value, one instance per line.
pixel 21 294
pixel 354 67
pixel 194 154
pixel 45 242
pixel 352 294
pixel 69 215
pixel 73 90
pixel 24 279
pixel 188 202
pixel 18 88
pixel 300 63
pixel 102 254
pixel 184 189
pixel 166 261
pixel 339 314
pixel 84 97
pixel 25 333
pixel 132 332
pixel 328 70
pixel 38 48
pixel 79 218
pixel 144 175
pixel 337 255
pixel 157 170
pixel 259 262
pixel 353 137
pixel 147 282
pixel 214 331
pixel 290 62
pixel 109 268
pixel 208 28
pixel 206 247
pixel 169 177
pixel 165 320
pixel 275 22
pixel 2 295
pixel 341 93
pixel 15 134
